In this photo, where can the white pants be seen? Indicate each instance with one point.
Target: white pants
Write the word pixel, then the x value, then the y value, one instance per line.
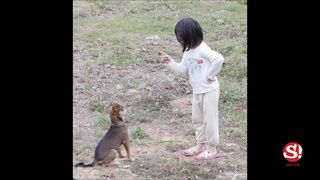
pixel 205 117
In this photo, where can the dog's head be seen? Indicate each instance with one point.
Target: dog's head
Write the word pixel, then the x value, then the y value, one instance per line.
pixel 115 109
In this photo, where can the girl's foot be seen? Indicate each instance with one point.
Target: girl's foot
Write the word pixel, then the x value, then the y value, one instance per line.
pixel 208 155
pixel 194 151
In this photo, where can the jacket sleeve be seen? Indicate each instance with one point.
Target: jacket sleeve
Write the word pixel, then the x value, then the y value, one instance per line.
pixel 178 67
pixel 216 60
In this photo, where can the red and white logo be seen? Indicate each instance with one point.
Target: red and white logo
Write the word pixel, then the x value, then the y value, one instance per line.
pixel 199 61
pixel 292 152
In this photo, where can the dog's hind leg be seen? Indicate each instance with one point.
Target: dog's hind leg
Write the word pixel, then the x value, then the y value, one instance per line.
pixel 109 158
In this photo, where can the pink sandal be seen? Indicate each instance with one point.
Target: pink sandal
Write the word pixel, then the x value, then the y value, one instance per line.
pixel 193 151
pixel 207 155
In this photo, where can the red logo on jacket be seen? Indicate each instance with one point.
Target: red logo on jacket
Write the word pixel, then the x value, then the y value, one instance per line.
pixel 199 61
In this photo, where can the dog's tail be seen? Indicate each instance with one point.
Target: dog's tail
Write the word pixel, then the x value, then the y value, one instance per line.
pixel 81 164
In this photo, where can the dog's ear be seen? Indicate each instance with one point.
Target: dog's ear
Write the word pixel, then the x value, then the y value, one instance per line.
pixel 114 108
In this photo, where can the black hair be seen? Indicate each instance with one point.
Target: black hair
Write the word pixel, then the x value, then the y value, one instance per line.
pixel 189 33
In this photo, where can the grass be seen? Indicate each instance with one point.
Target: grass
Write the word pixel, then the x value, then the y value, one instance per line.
pixel 97 106
pixel 101 124
pixel 139 133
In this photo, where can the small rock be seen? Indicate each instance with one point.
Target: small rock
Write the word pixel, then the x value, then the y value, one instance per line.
pixel 230 144
pixel 220 20
pixel 152 37
pixel 229 174
pixel 239 177
pixel 132 91
pixel 118 86
pixel 125 166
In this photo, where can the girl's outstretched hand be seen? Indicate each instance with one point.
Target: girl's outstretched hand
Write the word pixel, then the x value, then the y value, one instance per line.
pixel 165 58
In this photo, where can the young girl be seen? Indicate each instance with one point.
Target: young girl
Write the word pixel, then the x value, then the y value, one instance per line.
pixel 202 64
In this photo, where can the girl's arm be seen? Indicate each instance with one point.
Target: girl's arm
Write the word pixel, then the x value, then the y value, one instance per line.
pixel 173 65
pixel 216 60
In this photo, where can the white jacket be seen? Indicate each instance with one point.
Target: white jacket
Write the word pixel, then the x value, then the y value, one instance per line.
pixel 202 64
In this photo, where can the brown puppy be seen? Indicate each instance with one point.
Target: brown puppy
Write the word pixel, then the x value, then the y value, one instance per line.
pixel 116 136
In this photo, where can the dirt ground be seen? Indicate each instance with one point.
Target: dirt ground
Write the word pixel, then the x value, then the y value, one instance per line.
pixel 165 143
